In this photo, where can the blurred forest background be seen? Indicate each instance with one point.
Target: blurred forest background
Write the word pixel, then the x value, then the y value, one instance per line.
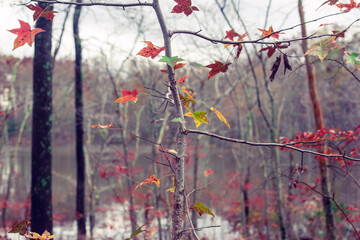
pixel 237 180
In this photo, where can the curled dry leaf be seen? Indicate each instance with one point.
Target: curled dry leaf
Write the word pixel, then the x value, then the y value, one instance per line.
pixel 286 63
pixel 275 68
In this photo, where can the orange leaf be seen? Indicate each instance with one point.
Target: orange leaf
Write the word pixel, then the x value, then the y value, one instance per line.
pixel 182 80
pixel 208 172
pixel 216 68
pixel 102 126
pixel 39 12
pixel 25 34
pixel 200 208
pixel 220 116
pixel 45 236
pixel 20 227
pixel 128 96
pixel 151 179
pixel 269 33
pixel 151 50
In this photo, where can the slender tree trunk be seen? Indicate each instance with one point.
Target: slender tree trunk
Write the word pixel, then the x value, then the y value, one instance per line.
pixel 319 124
pixel 195 173
pixel 80 158
pixel 10 174
pixel 41 152
pixel 178 207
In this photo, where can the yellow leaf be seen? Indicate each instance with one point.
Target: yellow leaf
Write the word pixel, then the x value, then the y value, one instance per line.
pixel 45 236
pixel 172 189
pixel 199 117
pixel 171 151
pixel 220 116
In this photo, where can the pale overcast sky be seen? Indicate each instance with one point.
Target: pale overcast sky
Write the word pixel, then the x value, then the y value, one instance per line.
pixel 101 29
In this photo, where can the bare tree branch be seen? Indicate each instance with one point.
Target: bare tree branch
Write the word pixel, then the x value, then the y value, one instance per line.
pixel 91 3
pixel 234 140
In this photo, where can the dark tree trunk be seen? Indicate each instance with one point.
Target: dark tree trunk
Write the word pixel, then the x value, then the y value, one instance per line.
pixel 319 124
pixel 246 196
pixel 80 159
pixel 41 154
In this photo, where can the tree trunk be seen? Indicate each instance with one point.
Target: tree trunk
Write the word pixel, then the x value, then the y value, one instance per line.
pixel 319 124
pixel 41 152
pixel 178 207
pixel 195 174
pixel 80 158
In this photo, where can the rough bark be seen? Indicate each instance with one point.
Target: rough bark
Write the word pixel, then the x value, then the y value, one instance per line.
pixel 80 158
pixel 319 124
pixel 41 154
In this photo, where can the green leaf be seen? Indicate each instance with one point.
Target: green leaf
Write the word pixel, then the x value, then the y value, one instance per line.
pixel 195 64
pixel 352 59
pixel 171 61
pixel 323 49
pixel 136 232
pixel 178 120
pixel 199 117
pixel 201 208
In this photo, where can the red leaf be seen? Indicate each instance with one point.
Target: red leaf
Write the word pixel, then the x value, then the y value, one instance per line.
pixel 25 34
pixel 348 6
pixel 182 80
pixel 151 50
pixel 184 6
pixel 39 12
pixel 339 34
pixel 177 66
pixel 271 49
pixel 269 33
pixel 20 227
pixel 231 34
pixel 216 68
pixel 128 96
